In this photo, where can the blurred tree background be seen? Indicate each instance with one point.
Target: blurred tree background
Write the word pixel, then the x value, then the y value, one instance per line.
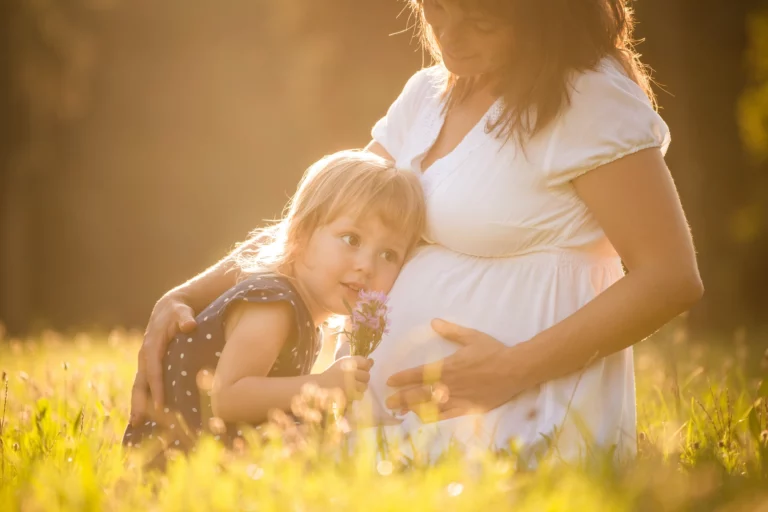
pixel 141 140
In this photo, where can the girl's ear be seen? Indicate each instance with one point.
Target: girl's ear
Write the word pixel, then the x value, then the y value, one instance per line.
pixel 297 241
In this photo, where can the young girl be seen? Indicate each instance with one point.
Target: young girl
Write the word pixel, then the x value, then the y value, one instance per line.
pixel 350 226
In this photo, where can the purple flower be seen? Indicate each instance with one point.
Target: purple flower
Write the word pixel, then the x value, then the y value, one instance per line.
pixel 368 296
pixel 369 322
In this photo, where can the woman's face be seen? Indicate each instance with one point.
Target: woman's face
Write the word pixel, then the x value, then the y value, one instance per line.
pixel 470 42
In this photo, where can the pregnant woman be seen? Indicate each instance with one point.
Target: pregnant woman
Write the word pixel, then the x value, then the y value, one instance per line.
pixel 541 156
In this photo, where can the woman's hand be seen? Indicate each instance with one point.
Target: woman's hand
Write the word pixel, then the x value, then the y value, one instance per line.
pixel 351 374
pixel 477 378
pixel 170 316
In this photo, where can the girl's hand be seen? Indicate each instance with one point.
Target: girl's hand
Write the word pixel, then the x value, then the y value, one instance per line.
pixel 350 374
pixel 477 378
pixel 170 316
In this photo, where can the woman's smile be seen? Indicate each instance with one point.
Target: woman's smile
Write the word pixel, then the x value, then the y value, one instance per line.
pixel 459 57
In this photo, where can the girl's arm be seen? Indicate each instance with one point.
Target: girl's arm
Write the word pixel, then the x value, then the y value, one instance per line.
pixel 635 201
pixel 255 335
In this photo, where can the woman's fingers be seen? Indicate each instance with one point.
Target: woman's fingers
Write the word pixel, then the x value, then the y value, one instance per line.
pixel 169 318
pixel 139 399
pixel 407 377
pixel 451 413
pixel 186 319
pixel 430 372
pixel 444 411
pixel 153 369
pixel 409 397
pixel 454 408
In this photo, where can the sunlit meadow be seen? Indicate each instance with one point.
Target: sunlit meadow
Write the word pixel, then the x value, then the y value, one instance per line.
pixel 703 445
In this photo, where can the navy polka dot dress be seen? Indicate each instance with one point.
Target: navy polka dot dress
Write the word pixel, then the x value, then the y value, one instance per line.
pixel 192 358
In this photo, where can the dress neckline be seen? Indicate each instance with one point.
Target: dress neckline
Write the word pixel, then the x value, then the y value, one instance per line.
pixel 435 122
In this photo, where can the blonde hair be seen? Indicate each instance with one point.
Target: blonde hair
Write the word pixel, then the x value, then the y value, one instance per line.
pixel 356 183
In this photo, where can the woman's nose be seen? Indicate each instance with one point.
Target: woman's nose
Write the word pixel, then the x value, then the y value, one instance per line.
pixel 450 35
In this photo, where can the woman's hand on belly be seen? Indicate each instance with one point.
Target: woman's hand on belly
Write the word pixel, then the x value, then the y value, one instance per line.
pixel 478 377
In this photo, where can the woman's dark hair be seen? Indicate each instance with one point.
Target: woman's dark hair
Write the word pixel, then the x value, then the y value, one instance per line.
pixel 552 41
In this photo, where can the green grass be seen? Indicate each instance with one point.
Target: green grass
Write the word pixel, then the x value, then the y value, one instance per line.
pixel 701 417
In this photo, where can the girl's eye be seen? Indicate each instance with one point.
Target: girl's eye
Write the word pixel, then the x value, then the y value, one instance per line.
pixel 390 256
pixel 352 240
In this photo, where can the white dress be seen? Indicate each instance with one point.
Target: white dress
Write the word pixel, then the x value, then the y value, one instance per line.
pixel 513 250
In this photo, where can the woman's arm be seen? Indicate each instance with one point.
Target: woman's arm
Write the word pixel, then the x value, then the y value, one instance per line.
pixel 205 287
pixel 255 334
pixel 377 149
pixel 173 313
pixel 636 204
pixel 635 201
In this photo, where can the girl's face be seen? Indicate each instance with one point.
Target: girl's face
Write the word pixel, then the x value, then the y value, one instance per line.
pixel 345 256
pixel 471 43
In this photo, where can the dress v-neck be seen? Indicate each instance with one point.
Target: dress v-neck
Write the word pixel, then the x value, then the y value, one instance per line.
pixel 436 122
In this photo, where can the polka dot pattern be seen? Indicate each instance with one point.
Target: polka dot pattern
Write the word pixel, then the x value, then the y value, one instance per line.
pixel 194 355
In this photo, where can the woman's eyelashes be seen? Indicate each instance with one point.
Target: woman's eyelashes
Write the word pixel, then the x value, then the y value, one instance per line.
pixel 433 11
pixel 480 23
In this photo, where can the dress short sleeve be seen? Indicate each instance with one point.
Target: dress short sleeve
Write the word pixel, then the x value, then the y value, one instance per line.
pixel 391 131
pixel 609 117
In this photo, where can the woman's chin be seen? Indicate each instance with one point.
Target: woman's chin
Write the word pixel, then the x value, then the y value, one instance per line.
pixel 463 68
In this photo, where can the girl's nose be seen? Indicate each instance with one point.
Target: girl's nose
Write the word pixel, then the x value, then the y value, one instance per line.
pixel 365 263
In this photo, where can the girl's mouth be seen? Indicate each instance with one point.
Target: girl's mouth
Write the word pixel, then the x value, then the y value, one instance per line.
pixel 352 286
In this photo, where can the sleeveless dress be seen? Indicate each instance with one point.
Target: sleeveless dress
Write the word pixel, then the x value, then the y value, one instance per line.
pixel 192 358
pixel 511 251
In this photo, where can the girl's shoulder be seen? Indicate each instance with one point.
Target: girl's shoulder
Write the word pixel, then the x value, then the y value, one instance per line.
pixel 264 286
pixel 261 288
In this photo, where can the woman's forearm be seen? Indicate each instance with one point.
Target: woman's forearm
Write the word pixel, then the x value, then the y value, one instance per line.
pixel 205 287
pixel 627 312
pixel 250 399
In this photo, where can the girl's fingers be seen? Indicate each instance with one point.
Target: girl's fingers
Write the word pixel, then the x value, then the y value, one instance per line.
pixel 362 376
pixel 361 387
pixel 363 363
pixel 352 363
